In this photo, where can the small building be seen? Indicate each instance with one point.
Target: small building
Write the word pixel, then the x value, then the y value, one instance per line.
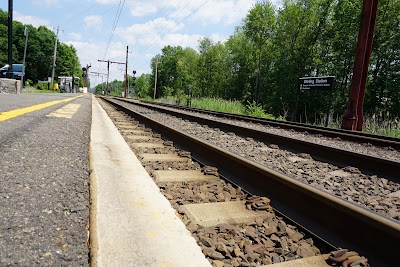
pixel 65 84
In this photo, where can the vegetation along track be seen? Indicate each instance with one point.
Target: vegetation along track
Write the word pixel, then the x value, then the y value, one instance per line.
pixel 368 140
pixel 336 220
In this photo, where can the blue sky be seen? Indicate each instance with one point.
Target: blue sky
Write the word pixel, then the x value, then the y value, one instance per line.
pixel 144 25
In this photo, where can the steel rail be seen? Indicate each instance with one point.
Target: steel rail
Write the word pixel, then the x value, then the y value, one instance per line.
pixel 360 137
pixel 341 157
pixel 339 222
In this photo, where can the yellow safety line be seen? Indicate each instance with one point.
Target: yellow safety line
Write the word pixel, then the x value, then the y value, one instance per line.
pixel 18 112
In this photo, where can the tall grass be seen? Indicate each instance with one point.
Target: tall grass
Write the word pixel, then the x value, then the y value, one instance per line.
pixel 221 105
pixel 228 106
pixel 373 125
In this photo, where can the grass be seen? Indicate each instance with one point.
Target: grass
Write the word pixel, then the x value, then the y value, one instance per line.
pixel 387 127
pixel 228 106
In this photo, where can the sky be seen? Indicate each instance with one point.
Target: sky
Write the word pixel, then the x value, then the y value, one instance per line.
pixel 102 29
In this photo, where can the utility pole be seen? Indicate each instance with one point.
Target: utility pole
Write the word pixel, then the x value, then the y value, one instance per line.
pixel 54 59
pixel 108 69
pixel 26 33
pixel 155 81
pixel 126 71
pixel 10 73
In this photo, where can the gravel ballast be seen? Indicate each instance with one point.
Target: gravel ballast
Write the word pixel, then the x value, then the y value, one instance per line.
pixel 370 191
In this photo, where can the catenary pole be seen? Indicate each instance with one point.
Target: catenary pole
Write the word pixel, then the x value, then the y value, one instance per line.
pixel 155 82
pixel 126 71
pixel 54 60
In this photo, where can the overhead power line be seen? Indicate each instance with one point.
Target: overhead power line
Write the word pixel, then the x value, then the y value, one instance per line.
pixel 117 16
pixel 185 18
pixel 87 9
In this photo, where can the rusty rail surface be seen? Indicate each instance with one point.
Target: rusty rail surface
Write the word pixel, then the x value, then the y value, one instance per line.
pixel 335 220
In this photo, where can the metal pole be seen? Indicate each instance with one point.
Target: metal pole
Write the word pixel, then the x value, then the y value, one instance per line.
pixel 368 51
pixel 360 69
pixel 126 71
pixel 10 73
pixel 108 74
pixel 54 60
pixel 26 33
pixel 155 82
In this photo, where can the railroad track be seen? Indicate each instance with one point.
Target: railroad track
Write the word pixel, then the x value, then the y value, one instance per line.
pixel 360 137
pixel 333 219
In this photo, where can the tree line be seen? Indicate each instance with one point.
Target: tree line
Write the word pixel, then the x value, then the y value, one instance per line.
pixel 40 50
pixel 274 46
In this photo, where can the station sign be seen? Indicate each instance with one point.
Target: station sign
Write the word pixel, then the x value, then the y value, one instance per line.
pixel 316 83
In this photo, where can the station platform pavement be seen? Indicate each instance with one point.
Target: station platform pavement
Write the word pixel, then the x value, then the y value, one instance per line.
pixel 53 148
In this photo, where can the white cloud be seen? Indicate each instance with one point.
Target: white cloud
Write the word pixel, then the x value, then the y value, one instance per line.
pixel 149 32
pixel 105 2
pixel 90 53
pixel 143 8
pixel 75 36
pixel 93 21
pixel 183 40
pixel 227 12
pixel 34 21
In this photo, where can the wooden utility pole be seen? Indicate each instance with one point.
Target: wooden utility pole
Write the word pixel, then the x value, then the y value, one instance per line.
pixel 155 82
pixel 353 118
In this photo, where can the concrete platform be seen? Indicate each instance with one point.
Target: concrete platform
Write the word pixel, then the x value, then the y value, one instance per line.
pixel 182 176
pixel 132 223
pixel 316 261
pixel 164 157
pixel 147 145
pixel 212 214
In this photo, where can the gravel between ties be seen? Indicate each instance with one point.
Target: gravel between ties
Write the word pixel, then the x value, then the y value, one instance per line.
pixel 369 191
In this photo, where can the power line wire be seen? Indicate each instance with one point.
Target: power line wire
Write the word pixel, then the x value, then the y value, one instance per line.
pixel 165 19
pixel 72 24
pixel 79 14
pixel 148 47
pixel 118 15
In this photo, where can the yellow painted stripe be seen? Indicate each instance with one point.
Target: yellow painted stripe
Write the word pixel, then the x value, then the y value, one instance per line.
pixel 66 111
pixel 18 112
